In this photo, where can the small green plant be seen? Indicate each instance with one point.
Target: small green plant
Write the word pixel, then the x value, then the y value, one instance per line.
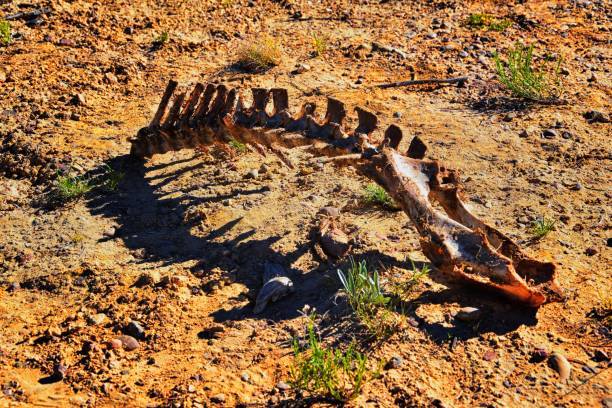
pixel 542 227
pixel 319 44
pixel 520 77
pixel 111 178
pixel 5 32
pixel 70 187
pixel 328 373
pixel 238 147
pixel 376 195
pixel 482 20
pixel 160 40
pixel 260 55
pixel 363 290
pixel 404 288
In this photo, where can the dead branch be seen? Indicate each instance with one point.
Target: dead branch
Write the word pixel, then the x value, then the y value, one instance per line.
pixel 460 81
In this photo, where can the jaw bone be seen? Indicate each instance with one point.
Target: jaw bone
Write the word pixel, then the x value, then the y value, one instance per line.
pixel 457 243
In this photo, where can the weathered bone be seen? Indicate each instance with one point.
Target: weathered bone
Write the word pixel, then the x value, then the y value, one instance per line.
pixel 457 243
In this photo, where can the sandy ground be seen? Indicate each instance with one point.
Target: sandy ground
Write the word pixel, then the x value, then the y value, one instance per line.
pixel 180 245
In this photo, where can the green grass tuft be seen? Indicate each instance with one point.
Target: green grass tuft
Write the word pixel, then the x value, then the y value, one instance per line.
pixel 111 178
pixel 70 188
pixel 482 20
pixel 238 147
pixel 5 32
pixel 161 39
pixel 520 77
pixel 319 44
pixel 376 195
pixel 261 55
pixel 542 227
pixel 362 289
pixel 328 373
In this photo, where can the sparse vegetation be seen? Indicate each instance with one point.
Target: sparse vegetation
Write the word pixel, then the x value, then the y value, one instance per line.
pixel 523 80
pixel 366 298
pixel 376 195
pixel 542 227
pixel 260 55
pixel 319 44
pixel 406 287
pixel 482 20
pixel 70 187
pixel 161 39
pixel 111 178
pixel 328 373
pixel 5 32
pixel 238 147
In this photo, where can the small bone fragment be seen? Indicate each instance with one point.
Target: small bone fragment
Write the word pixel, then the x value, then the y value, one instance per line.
pixel 561 365
pixel 276 285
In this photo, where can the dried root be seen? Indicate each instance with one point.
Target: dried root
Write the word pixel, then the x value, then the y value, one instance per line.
pixel 456 242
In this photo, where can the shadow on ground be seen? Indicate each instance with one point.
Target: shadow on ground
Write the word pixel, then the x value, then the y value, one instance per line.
pixel 151 225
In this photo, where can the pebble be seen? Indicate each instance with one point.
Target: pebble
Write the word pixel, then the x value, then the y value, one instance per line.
pixel 509 116
pixel 330 211
pixel 13 286
pixel 523 133
pixel 549 133
pixel 149 278
pixel 78 99
pixel 468 314
pixel 96 319
pixel 576 187
pixel 245 377
pixel 283 386
pixel 566 135
pixel 590 251
pixel 397 115
pixel 109 233
pixel 490 355
pixel 432 35
pixel 394 362
pixel 264 168
pixel 135 329
pixel 601 355
pixel 128 342
pixel 115 344
pixel 301 68
pixel 594 116
pixel 463 54
pixel 507 384
pixel 252 174
pixel 561 365
pixel 218 398
pixel 66 42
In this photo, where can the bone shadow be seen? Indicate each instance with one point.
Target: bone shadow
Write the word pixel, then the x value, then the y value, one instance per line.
pixel 152 225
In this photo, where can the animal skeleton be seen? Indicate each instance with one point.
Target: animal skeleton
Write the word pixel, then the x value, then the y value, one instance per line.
pixel 457 243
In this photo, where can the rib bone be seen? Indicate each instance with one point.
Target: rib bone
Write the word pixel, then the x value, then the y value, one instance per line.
pixel 457 242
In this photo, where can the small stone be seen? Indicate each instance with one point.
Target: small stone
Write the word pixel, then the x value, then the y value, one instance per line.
pixel 96 319
pixel 13 286
pixel 109 233
pixel 78 99
pixel 549 133
pixel 432 35
pixel 330 211
pixel 523 133
pixel 397 115
pixel 191 388
pixel 490 355
pixel 592 77
pixel 129 30
pixel 301 68
pixel 264 168
pixel 601 355
pixel 282 386
pixel 252 174
pixel 75 116
pixel 463 54
pixel 509 116
pixel 594 116
pixel 590 251
pixel 566 135
pixel 66 42
pixel 560 364
pixel 394 362
pixel 245 377
pixel 218 398
pixel 147 279
pixel 468 314
pixel 135 329
pixel 110 78
pixel 128 342
pixel 576 187
pixel 507 384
